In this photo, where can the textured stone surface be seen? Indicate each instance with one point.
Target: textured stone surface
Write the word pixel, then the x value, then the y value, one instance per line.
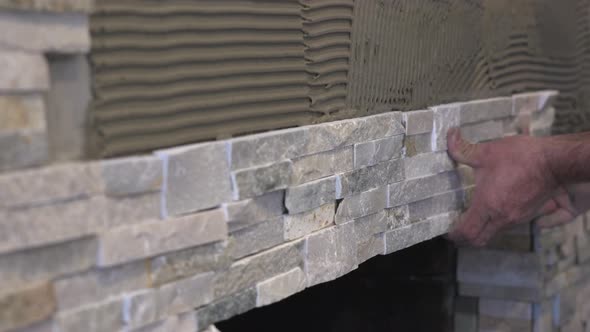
pixel 97 285
pixel 50 5
pixel 418 144
pixel 299 225
pixel 418 122
pixel 48 185
pixel 363 204
pixel 445 118
pixel 130 210
pixel 330 253
pixel 255 210
pixel 427 164
pixel 132 175
pixel 23 307
pixel 371 247
pixel 267 148
pixel 256 238
pixel 43 32
pixel 182 323
pixel 22 72
pixel 185 263
pixel 23 148
pixel 533 101
pixel 310 195
pixel 367 226
pixel 22 112
pixel 416 189
pixel 373 152
pixel 487 109
pixel 371 177
pixel 196 177
pixel 505 309
pixel 227 307
pixel 398 216
pixel 449 201
pixel 22 268
pixel 148 306
pixel 152 238
pixel 279 287
pixel 323 164
pixel 483 131
pixel 401 238
pixel 246 272
pixel 101 316
pixel 256 181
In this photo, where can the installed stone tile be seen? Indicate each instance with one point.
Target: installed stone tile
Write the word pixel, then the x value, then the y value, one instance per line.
pixel 299 225
pixel 255 210
pixel 22 268
pixel 505 309
pixel 22 149
pixel 21 72
pixel 398 216
pixel 82 289
pixel 196 178
pixel 48 185
pixel 371 177
pixel 256 238
pixel 246 272
pixel 370 247
pixel 42 32
pixel 321 165
pixel 132 175
pixel 50 5
pixel 533 101
pixel 363 204
pixel 102 316
pixel 373 152
pixel 331 253
pixel 182 323
pixel 129 210
pixel 427 164
pixel 267 148
pixel 449 201
pixel 483 131
pixel 367 226
pixel 227 307
pixel 417 144
pixel 332 135
pixel 310 195
pixel 149 306
pixel 185 263
pixel 148 239
pixel 401 238
pixel 256 181
pixel 23 307
pixel 417 189
pixel 483 110
pixel 22 112
pixel 445 118
pixel 279 287
pixel 418 122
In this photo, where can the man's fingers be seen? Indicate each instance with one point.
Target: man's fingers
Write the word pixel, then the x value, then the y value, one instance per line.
pixel 488 232
pixel 560 216
pixel 469 225
pixel 463 151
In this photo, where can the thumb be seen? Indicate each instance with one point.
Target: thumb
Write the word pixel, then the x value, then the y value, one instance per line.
pixel 462 151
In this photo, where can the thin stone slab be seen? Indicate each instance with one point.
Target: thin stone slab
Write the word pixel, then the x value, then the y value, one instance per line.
pixel 299 225
pixel 445 118
pixel 418 122
pixel 23 149
pixel 442 203
pixel 418 144
pixel 84 6
pixel 370 248
pixel 483 131
pixel 256 181
pixel 186 322
pixel 253 239
pixel 323 164
pixel 373 152
pixel 148 239
pixel 20 71
pixel 279 287
pixel 363 204
pixel 398 216
pixel 367 226
pixel 404 237
pixel 427 164
pixel 23 307
pixel 22 112
pixel 367 178
pixel 310 195
pixel 227 307
pixel 255 210
pixel 38 32
pixel 196 177
pixel 102 316
pixel 526 103
pixel 483 110
pixel 132 175
pixel 417 189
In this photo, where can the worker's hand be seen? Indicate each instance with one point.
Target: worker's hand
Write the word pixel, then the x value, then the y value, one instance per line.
pixel 513 185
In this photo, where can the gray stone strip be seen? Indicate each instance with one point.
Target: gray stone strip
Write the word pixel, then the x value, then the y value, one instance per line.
pixel 418 144
pixel 418 122
pixel 417 189
pixel 360 205
pixel 367 178
pixel 373 152
pixel 323 164
pixel 302 224
pixel 484 110
pixel 254 210
pixel 407 236
pixel 427 164
pixel 483 131
pixel 256 181
pixel 311 195
pixel 23 72
pixel 279 287
pixel 253 239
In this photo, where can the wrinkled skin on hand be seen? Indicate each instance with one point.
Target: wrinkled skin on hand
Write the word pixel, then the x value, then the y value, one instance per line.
pixel 514 184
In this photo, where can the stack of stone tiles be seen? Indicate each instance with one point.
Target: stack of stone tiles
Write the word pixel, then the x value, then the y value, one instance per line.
pixel 189 236
pixel 527 278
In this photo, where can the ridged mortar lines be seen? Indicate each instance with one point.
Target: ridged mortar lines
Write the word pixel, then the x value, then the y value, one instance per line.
pixel 156 229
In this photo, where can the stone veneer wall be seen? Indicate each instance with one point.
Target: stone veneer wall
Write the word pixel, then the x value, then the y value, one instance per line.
pixel 188 236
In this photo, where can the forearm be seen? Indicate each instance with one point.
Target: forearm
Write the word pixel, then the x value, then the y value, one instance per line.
pixel 568 157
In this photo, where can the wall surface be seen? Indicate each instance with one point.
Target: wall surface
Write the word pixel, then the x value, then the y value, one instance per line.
pixel 177 72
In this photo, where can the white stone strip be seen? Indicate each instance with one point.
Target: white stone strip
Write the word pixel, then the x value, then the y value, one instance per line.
pixel 280 287
pixel 22 72
pixel 407 236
